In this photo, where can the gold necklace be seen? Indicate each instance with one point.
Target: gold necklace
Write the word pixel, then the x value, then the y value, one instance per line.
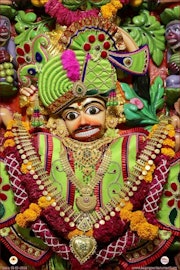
pixel 86 154
pixel 87 200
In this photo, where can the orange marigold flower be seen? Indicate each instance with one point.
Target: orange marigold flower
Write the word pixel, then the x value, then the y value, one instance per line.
pixel 127 205
pixel 125 214
pixel 9 142
pixel 43 202
pixel 30 215
pixel 8 134
pixel 169 142
pixel 171 133
pixel 26 125
pixel 147 231
pixel 10 124
pixel 136 218
pixel 117 4
pixel 36 208
pixel 154 127
pixel 78 232
pixel 148 177
pixel 20 220
pixel 108 10
pixel 168 152
pixel 74 233
pixel 26 167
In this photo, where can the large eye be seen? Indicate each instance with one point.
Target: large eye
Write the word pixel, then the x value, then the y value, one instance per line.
pixel 71 116
pixel 93 110
pixel 177 29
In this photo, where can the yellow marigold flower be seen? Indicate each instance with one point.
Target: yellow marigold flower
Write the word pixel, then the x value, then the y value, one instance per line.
pixel 148 176
pixel 154 127
pixel 20 220
pixel 74 233
pixel 108 10
pixel 128 206
pixel 9 142
pixel 169 142
pixel 43 202
pixel 8 134
pixel 168 152
pixel 36 208
pixel 26 125
pixel 153 167
pixel 169 127
pixel 125 214
pixel 26 167
pixel 117 4
pixel 171 133
pixel 136 218
pixel 10 124
pixel 89 233
pixel 30 215
pixel 78 232
pixel 147 231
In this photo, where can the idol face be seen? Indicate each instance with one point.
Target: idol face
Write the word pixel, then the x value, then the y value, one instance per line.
pixel 173 34
pixel 85 119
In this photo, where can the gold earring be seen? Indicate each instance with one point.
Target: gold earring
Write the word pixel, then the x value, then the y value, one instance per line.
pixel 57 127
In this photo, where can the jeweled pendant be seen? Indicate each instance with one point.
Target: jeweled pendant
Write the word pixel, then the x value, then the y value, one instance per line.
pixel 86 202
pixel 83 247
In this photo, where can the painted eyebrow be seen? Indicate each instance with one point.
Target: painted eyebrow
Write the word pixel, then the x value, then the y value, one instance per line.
pixel 85 105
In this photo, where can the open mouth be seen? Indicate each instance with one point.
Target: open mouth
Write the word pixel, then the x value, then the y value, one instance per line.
pixel 87 133
pixel 172 41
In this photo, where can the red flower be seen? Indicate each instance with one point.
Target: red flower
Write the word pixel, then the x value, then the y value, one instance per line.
pixel 23 54
pixel 4 188
pixel 174 195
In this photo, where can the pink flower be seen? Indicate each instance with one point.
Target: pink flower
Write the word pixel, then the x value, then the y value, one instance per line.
pixel 137 102
pixel 71 65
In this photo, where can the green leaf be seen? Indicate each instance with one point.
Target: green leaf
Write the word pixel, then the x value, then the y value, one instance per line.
pixel 146 29
pixel 170 14
pixel 157 94
pixel 158 56
pixel 172 216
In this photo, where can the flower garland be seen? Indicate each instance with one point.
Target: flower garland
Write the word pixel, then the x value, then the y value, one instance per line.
pixel 64 16
pixel 42 203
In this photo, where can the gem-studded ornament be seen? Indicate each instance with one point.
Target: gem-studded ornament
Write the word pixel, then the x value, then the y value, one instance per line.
pixel 83 247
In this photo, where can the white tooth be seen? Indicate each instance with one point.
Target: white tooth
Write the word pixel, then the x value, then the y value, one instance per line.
pixel 87 133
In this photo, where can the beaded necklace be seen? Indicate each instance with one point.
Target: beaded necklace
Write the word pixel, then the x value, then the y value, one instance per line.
pixel 85 220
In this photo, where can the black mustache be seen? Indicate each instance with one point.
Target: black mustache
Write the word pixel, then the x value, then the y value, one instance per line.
pixel 84 128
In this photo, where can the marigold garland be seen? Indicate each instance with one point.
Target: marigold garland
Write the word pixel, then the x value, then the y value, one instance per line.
pixel 9 142
pixel 136 219
pixel 26 167
pixel 169 142
pixel 44 203
pixel 147 231
pixel 110 9
pixel 33 212
pixel 139 223
pixel 77 232
pixel 8 134
pixel 168 152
